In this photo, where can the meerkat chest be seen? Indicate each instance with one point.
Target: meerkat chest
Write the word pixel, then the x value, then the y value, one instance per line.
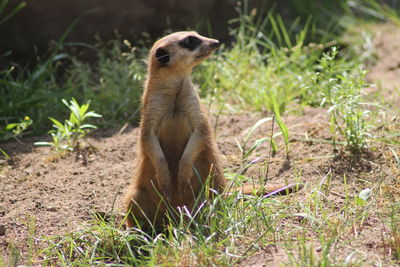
pixel 178 122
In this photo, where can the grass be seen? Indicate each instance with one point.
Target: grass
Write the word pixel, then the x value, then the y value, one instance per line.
pixel 310 232
pixel 294 75
pixel 317 226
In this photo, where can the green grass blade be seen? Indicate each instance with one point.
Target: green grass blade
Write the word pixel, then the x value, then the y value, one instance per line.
pixel 284 32
pixel 282 125
pixel 12 13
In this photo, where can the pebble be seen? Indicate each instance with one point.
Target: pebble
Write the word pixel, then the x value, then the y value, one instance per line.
pixel 2 229
pixel 51 208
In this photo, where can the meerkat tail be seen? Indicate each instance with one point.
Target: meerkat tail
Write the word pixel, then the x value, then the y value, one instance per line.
pixel 267 190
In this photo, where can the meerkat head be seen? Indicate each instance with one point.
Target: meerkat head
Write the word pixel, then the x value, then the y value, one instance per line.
pixel 181 51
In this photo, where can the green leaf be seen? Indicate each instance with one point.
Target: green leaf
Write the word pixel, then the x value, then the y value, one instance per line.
pixel 60 56
pixel 84 126
pixel 11 126
pixel 74 107
pixel 74 119
pixel 83 110
pixel 92 114
pixel 65 102
pixel 281 124
pixel 57 124
pixel 43 144
pixel 359 201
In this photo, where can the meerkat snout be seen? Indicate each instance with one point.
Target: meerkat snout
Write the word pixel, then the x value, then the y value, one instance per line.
pixel 206 50
pixel 215 44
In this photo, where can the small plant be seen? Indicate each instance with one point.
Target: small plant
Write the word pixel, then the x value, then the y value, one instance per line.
pixel 342 93
pixel 66 135
pixel 19 127
pixel 13 130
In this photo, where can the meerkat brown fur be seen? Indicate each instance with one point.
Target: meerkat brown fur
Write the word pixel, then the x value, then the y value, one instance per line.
pixel 177 150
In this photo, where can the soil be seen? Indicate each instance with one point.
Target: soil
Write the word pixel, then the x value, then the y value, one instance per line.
pixel 48 195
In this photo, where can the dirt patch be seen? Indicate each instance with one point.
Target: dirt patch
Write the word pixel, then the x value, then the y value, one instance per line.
pixel 59 194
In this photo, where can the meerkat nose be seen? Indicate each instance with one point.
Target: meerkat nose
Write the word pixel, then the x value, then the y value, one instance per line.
pixel 216 43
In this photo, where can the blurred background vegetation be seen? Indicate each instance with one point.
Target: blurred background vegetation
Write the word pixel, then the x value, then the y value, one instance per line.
pixel 95 51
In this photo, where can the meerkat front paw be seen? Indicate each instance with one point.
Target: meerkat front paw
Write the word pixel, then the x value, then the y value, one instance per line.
pixel 183 187
pixel 185 175
pixel 164 186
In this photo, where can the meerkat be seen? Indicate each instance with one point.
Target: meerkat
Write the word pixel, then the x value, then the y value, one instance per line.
pixel 177 151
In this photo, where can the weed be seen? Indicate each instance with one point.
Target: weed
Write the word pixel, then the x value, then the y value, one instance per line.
pixel 13 130
pixel 342 94
pixel 67 135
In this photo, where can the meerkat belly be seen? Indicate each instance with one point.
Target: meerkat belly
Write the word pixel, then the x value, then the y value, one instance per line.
pixel 174 133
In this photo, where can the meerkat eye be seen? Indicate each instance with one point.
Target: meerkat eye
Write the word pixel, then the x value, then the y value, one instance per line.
pixel 162 56
pixel 190 42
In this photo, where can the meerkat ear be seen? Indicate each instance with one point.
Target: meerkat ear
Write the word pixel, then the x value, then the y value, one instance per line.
pixel 162 56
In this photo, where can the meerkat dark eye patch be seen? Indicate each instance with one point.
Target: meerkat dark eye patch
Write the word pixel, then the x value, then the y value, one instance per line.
pixel 162 56
pixel 190 42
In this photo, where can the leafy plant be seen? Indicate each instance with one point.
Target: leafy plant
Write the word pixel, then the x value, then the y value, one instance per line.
pixel 66 135
pixel 342 93
pixel 13 130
